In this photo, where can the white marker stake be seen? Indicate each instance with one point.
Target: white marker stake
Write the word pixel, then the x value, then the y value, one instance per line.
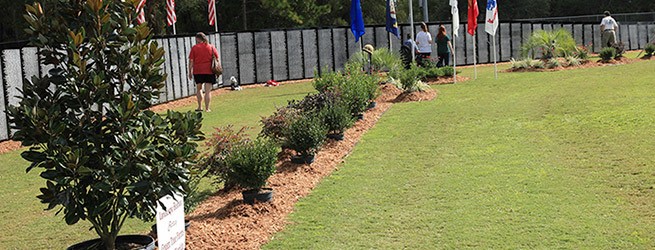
pixel 495 59
pixel 475 59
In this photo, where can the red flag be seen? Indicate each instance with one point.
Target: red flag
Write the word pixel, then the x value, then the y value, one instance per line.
pixel 473 17
pixel 141 18
pixel 212 12
pixel 171 18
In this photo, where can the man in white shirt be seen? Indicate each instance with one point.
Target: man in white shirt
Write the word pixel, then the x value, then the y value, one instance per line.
pixel 608 27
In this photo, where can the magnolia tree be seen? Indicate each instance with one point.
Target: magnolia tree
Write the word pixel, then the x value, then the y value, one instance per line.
pixel 104 156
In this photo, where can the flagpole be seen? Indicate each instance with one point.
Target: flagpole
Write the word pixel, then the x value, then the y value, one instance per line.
pixel 454 55
pixel 174 30
pixel 215 18
pixel 411 22
pixel 475 59
pixel 495 59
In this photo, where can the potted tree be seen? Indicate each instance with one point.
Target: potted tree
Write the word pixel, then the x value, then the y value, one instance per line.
pixel 250 165
pixel 305 135
pixel 337 118
pixel 104 157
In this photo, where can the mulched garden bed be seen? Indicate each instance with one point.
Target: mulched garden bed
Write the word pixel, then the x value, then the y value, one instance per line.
pixel 587 65
pixel 223 221
pixel 418 96
pixel 446 80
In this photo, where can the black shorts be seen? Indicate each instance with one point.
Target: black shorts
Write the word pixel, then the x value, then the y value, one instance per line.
pixel 201 79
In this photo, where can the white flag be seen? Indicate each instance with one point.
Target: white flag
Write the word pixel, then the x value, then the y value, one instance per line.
pixel 455 12
pixel 491 22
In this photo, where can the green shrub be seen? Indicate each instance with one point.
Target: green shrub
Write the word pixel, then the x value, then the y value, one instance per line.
pixel 448 71
pixel 314 103
pixel 582 53
pixel 220 145
pixel 409 80
pixel 252 163
pixel 104 156
pixel 573 61
pixel 381 60
pixel 557 43
pixel 650 49
pixel 607 54
pixel 553 63
pixel 305 134
pixel 328 80
pixel 518 65
pixel 337 117
pixel 537 64
pixel 274 127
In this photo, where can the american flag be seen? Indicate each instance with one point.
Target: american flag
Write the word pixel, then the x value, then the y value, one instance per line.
pixel 141 18
pixel 212 12
pixel 171 18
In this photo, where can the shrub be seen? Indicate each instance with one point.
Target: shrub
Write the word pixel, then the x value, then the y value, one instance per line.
pixel 553 63
pixel 369 83
pixel 537 64
pixel 313 103
pixel 518 65
pixel 619 49
pixel 649 49
pixel 409 80
pixel 555 43
pixel 104 156
pixel 220 144
pixel 606 54
pixel 337 117
pixel 252 163
pixel 328 81
pixel 274 126
pixel 581 52
pixel 448 71
pixel 305 134
pixel 573 61
pixel 381 60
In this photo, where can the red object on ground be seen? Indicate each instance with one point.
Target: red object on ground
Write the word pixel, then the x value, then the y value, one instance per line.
pixel 272 83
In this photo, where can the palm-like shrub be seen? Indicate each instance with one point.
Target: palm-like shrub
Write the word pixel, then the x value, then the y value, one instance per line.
pixel 381 60
pixel 104 156
pixel 649 49
pixel 558 43
pixel 537 64
pixel 553 63
pixel 582 53
pixel 409 80
pixel 519 64
pixel 607 54
pixel 573 61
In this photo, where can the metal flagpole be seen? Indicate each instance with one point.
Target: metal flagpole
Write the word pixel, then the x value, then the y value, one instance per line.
pixel 215 18
pixel 495 59
pixel 475 59
pixel 454 56
pixel 411 22
pixel 174 30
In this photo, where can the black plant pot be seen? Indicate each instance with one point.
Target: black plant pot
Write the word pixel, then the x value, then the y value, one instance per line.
pixel 146 242
pixel 372 105
pixel 187 224
pixel 261 195
pixel 338 137
pixel 359 117
pixel 300 159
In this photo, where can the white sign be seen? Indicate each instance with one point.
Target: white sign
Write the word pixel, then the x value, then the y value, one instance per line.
pixel 170 223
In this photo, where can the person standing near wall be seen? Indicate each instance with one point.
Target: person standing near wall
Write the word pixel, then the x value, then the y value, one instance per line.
pixel 608 28
pixel 200 69
pixel 444 47
pixel 424 41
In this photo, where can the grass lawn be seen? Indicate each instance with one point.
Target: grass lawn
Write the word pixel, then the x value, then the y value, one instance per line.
pixel 24 224
pixel 533 160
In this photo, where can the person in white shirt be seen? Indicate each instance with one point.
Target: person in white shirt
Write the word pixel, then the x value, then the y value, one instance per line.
pixel 608 28
pixel 424 41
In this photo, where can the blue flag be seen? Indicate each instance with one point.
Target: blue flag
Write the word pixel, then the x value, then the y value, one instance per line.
pixel 356 20
pixel 392 20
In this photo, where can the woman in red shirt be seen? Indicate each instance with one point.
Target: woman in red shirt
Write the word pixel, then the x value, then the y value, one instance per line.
pixel 200 69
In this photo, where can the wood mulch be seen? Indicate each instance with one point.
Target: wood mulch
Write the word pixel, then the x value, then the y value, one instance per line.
pixel 418 96
pixel 446 80
pixel 587 65
pixel 223 221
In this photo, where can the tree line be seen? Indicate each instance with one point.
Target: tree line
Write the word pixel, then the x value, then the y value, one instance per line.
pixel 240 15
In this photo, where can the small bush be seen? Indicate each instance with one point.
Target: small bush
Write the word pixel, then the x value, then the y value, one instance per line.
pixel 582 53
pixel 252 163
pixel 520 64
pixel 220 144
pixel 537 64
pixel 573 61
pixel 305 134
pixel 274 126
pixel 381 60
pixel 554 43
pixel 553 63
pixel 337 117
pixel 650 49
pixel 409 80
pixel 328 81
pixel 606 54
pixel 313 103
pixel 448 71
